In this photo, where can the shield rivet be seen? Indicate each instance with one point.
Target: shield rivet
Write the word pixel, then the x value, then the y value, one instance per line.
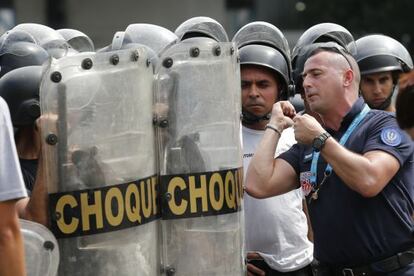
pixel 87 63
pixel 217 50
pixel 164 123
pixel 57 216
pixel 135 55
pixel 48 245
pixel 194 52
pixel 167 63
pixel 56 76
pixel 114 59
pixel 52 139
pixel 168 196
pixel 170 271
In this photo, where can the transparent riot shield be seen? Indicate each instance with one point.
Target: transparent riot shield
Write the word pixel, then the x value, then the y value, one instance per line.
pixel 198 125
pixel 97 121
pixel 40 248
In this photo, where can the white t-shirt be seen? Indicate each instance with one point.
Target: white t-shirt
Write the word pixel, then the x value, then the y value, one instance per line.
pixel 276 227
pixel 11 180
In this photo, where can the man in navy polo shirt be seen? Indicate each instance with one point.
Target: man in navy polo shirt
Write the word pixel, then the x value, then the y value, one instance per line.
pixel 355 170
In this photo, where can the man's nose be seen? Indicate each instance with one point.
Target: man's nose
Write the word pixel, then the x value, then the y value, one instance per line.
pixel 378 88
pixel 305 83
pixel 254 91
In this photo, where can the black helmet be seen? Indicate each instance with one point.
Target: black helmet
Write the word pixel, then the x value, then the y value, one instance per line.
pixel 201 26
pixel 264 33
pixel 20 54
pixel 323 32
pixel 20 89
pixel 261 43
pixel 270 58
pixel 381 53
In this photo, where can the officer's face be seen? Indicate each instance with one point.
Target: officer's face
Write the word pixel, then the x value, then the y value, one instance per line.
pixel 322 81
pixel 260 89
pixel 376 88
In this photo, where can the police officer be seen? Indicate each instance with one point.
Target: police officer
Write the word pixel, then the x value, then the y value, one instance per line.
pixel 280 245
pixel 381 59
pixel 11 189
pixel 356 170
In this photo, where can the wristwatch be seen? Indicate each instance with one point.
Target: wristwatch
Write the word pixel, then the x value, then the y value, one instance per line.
pixel 320 141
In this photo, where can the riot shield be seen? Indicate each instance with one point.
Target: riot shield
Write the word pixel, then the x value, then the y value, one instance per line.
pixel 40 248
pixel 198 126
pixel 97 121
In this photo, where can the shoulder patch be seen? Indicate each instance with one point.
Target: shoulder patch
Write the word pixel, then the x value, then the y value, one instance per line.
pixel 391 136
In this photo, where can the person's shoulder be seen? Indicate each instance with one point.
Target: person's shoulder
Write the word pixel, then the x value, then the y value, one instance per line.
pixel 375 116
pixel 381 113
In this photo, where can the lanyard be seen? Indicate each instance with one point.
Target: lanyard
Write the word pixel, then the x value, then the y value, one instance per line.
pixel 344 138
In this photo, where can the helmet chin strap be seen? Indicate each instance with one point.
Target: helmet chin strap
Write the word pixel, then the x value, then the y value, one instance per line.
pixel 385 104
pixel 249 118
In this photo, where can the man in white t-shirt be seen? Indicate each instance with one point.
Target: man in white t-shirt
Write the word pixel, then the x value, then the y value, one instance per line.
pixel 276 229
pixel 11 189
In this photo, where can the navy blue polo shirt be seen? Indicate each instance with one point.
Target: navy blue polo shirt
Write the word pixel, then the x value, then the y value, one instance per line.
pixel 349 229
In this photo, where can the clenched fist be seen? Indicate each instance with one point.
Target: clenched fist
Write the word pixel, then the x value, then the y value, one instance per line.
pixel 306 129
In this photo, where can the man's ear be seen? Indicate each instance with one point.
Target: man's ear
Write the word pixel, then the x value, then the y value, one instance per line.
pixel 348 77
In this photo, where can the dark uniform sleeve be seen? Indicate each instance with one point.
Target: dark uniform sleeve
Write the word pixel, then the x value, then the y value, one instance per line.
pixel 384 134
pixel 293 157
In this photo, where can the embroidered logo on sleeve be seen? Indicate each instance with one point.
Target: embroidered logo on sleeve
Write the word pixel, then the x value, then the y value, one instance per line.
pixel 305 182
pixel 391 136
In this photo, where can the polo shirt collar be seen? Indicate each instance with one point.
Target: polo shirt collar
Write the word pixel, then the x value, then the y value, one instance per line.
pixel 349 117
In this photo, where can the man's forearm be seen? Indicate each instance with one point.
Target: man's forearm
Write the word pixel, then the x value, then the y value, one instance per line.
pixel 361 173
pixel 35 207
pixel 261 167
pixel 11 247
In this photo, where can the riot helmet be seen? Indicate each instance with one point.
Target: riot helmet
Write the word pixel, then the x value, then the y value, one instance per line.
pixel 155 39
pixel 119 40
pixel 20 89
pixel 153 36
pixel 201 26
pixel 276 53
pixel 268 57
pixel 49 39
pixel 381 53
pixel 320 33
pixel 77 40
pixel 263 33
pixel 18 49
pixel 13 36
